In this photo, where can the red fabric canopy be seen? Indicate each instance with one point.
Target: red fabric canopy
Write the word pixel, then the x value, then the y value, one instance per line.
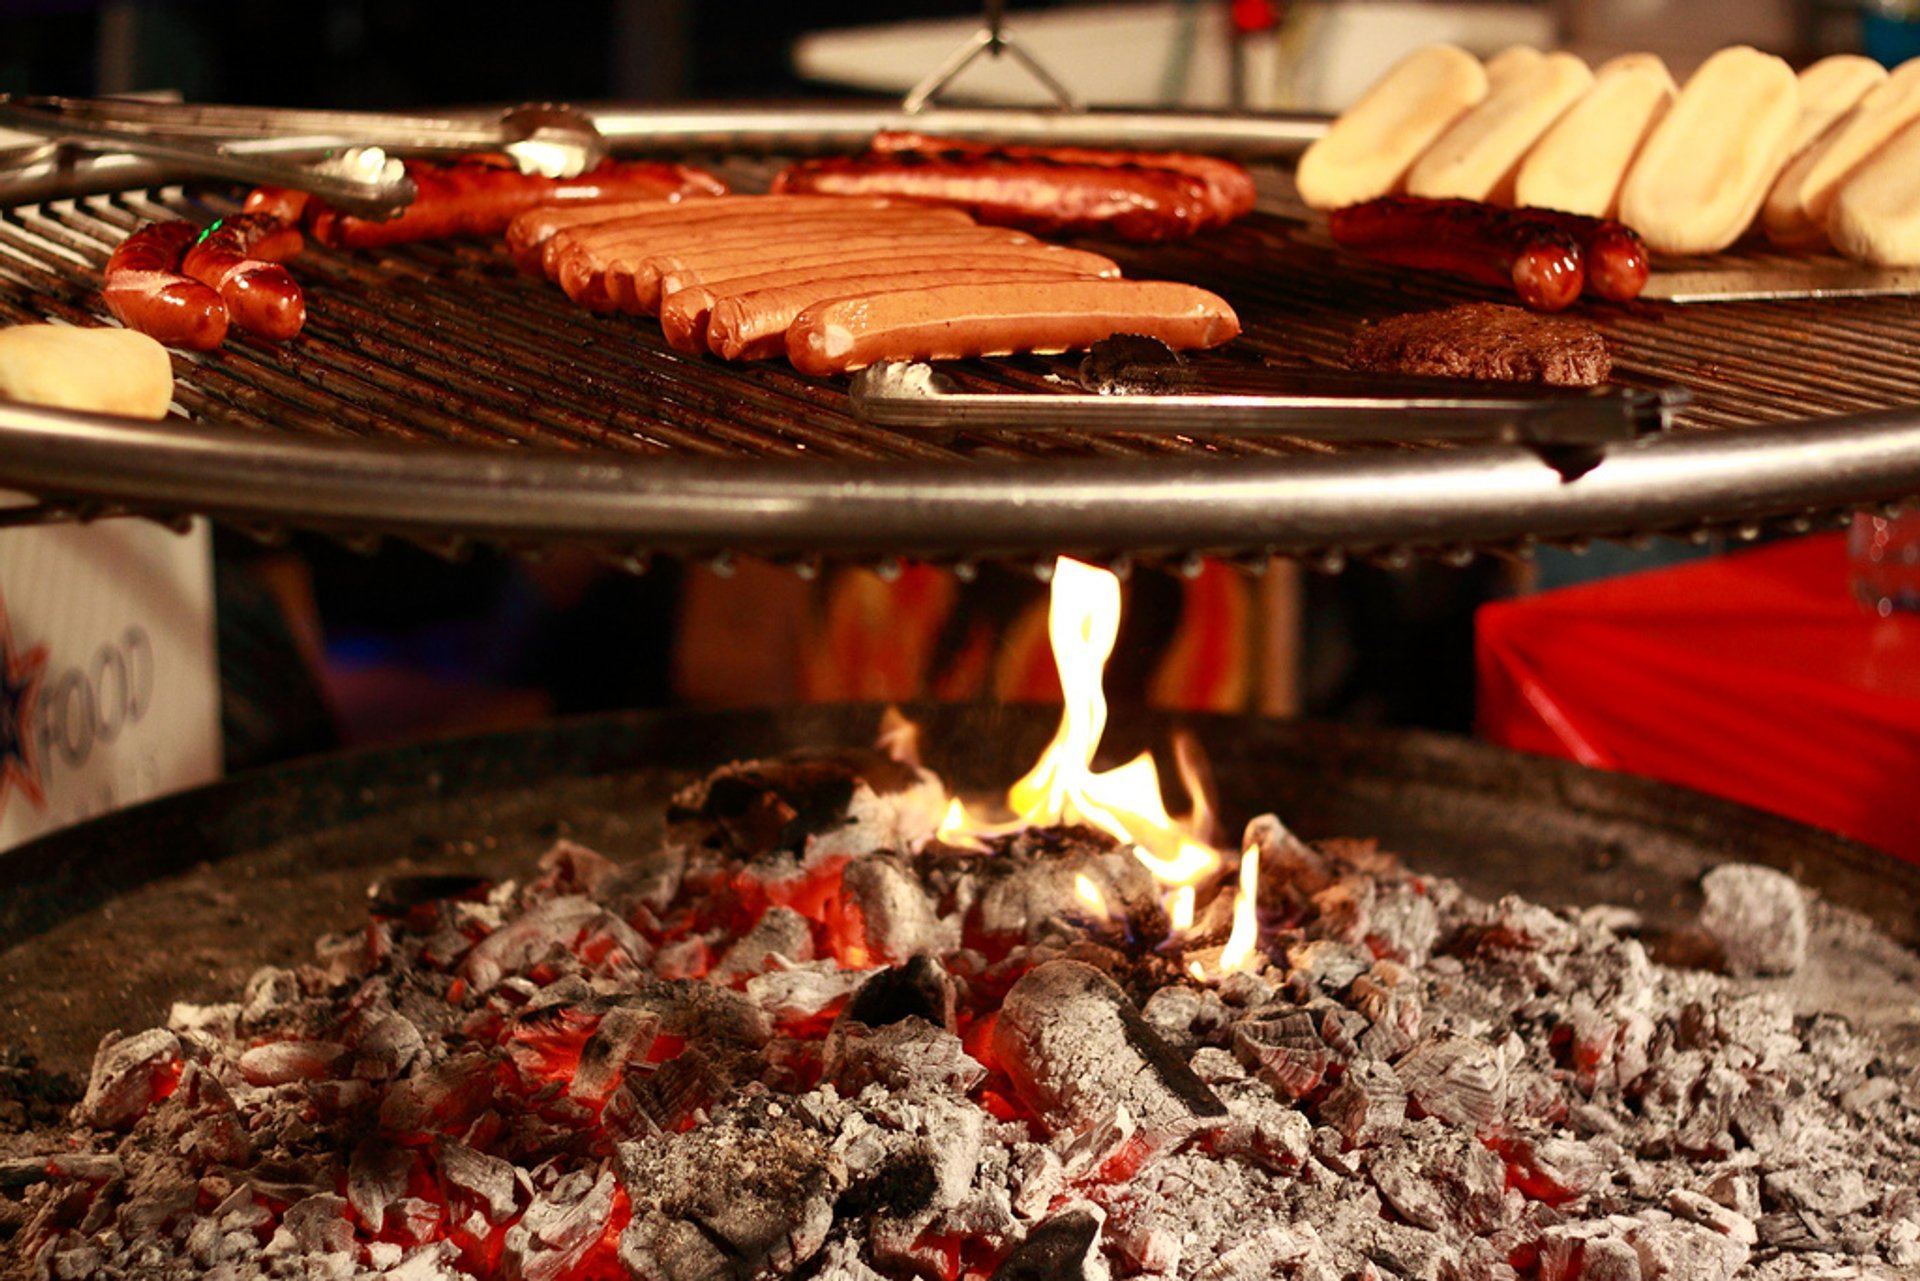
pixel 1754 676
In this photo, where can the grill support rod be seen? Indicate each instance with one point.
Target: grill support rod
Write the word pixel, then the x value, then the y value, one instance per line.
pixel 1297 506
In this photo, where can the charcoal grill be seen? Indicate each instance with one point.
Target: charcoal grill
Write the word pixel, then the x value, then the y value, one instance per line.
pixel 181 898
pixel 437 395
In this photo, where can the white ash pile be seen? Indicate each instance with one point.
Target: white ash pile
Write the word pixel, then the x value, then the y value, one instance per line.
pixel 804 1039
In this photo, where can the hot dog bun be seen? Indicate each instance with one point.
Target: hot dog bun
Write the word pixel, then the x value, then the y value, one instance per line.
pixel 1368 150
pixel 1708 165
pixel 1579 163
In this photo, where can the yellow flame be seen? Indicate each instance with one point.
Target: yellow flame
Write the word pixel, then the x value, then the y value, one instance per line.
pixel 1238 952
pixel 1089 893
pixel 1083 621
pixel 1180 909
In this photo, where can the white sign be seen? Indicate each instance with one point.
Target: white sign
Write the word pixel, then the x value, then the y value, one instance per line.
pixel 109 684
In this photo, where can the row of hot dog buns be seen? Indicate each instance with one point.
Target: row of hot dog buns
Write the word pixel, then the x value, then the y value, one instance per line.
pixel 1832 153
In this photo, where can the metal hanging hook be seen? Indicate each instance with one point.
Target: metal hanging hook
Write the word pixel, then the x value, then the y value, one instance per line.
pixel 990 39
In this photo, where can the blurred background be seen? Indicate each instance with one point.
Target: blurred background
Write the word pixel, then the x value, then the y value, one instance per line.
pixel 324 647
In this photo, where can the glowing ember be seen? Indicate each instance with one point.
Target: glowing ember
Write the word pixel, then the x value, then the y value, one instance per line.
pixel 1062 788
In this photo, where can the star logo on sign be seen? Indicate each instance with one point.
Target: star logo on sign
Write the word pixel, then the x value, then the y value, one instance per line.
pixel 19 693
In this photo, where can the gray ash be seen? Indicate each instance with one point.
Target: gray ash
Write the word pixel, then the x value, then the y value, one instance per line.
pixel 800 1038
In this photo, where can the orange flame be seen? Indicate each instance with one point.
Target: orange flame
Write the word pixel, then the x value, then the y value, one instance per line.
pixel 1083 621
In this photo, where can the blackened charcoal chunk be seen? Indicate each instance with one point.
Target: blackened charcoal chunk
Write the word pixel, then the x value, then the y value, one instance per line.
pixel 1075 1049
pixel 920 987
pixel 1055 1250
pixel 398 895
pixel 759 808
pixel 1758 917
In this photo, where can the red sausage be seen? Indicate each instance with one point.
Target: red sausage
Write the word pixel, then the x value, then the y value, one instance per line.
pixel 145 290
pixel 944 322
pixel 1132 203
pixel 240 258
pixel 480 196
pixel 1543 262
pixel 1229 186
pixel 284 203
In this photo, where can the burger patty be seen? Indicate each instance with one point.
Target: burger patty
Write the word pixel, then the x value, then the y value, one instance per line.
pixel 1487 341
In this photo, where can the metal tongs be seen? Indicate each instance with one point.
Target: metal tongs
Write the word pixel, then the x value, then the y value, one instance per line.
pixel 992 40
pixel 1133 384
pixel 355 171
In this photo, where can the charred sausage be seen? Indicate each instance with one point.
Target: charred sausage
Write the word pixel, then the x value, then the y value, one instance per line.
pixel 239 257
pixel 1132 203
pixel 951 321
pixel 1229 186
pixel 480 196
pixel 147 292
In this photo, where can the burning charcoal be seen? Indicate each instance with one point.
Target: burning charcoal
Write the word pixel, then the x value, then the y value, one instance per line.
pixel 1368 1105
pixel 812 805
pixel 1041 889
pixel 129 1076
pixel 1283 1046
pixel 559 1227
pixel 1326 966
pixel 202 1122
pixel 315 1225
pixel 1404 924
pixel 443 1099
pixel 1675 1251
pixel 750 1194
pixel 798 993
pixel 1458 1080
pixel 1434 1177
pixel 1392 1008
pixel 780 931
pixel 1587 1251
pixel 278 1062
pixel 1708 1213
pixel 1758 917
pixel 1291 867
pixel 1264 1129
pixel 1834 1190
pixel 572 868
pixel 388 1049
pixel 378 1175
pixel 1074 1047
pixel 624 1034
pixel 1554 1170
pixel 562 925
pixel 496 1186
pixel 895 919
pixel 1058 1249
pixel 920 987
pixel 267 993
pixel 899 1054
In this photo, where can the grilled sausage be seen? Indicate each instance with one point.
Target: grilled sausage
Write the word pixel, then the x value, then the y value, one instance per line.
pixel 239 257
pixel 615 282
pixel 951 321
pixel 686 309
pixel 633 277
pixel 1229 187
pixel 480 196
pixel 1134 204
pixel 753 325
pixel 147 292
pixel 531 235
pixel 1548 257
pixel 287 204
